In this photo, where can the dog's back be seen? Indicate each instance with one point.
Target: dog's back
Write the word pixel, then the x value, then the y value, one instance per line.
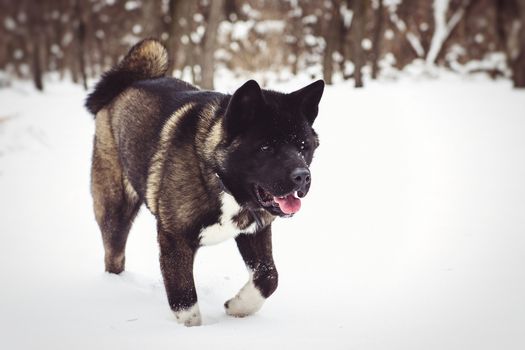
pixel 134 102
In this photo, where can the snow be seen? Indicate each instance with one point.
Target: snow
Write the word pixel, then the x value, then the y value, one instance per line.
pixel 493 61
pixel 366 44
pixel 137 28
pixel 250 11
pixel 310 19
pixel 269 26
pixel 18 54
pixel 389 34
pixel 132 5
pixel 412 236
pixel 9 24
pixel 347 15
pixel 424 26
pixel 312 40
pixel 415 43
pixel 239 31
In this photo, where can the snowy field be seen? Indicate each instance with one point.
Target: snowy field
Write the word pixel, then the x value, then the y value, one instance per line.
pixel 412 237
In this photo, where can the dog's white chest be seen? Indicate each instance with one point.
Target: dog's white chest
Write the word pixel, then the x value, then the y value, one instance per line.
pixel 226 228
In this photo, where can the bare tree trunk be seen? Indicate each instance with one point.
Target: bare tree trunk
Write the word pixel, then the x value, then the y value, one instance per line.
pixel 399 20
pixel 331 34
pixel 34 44
pixel 171 42
pixel 346 46
pixel 518 69
pixel 151 15
pixel 36 63
pixel 378 36
pixel 359 20
pixel 179 43
pixel 518 64
pixel 80 35
pixel 57 28
pixel 210 43
pixel 510 22
pixel 296 30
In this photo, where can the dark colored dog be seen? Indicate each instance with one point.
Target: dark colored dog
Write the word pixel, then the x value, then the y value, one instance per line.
pixel 209 166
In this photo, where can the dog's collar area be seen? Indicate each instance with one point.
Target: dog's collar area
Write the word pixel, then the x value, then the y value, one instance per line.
pixel 256 218
pixel 221 184
pixel 252 212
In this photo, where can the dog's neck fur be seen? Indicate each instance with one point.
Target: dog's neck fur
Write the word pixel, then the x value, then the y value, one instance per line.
pixel 252 212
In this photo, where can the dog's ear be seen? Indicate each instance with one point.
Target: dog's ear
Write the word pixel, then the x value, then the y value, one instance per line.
pixel 242 107
pixel 307 99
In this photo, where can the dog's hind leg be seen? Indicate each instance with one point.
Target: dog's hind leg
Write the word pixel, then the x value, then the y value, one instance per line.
pixel 115 201
pixel 256 251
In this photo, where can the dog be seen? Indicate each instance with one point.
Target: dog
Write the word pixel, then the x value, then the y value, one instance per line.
pixel 209 166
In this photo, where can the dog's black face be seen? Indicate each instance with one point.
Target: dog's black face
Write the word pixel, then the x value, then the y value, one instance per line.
pixel 271 145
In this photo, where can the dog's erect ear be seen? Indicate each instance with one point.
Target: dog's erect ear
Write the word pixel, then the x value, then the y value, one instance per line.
pixel 308 99
pixel 242 107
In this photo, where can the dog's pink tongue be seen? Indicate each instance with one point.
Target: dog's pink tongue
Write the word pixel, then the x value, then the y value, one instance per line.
pixel 288 204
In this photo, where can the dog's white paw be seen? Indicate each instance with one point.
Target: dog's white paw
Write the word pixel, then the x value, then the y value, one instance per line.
pixel 247 302
pixel 189 317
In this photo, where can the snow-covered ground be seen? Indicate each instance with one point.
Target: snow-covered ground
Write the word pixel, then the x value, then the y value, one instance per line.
pixel 412 237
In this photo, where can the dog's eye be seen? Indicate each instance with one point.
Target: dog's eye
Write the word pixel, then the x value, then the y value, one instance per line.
pixel 266 148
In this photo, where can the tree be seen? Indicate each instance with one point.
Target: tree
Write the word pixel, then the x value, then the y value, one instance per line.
pixel 80 36
pixel 210 43
pixel 444 27
pixel 81 39
pixel 35 42
pixel 511 33
pixel 358 30
pixel 377 38
pixel 332 36
pixel 180 48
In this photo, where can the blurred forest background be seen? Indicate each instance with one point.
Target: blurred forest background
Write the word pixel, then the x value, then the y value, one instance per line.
pixel 334 40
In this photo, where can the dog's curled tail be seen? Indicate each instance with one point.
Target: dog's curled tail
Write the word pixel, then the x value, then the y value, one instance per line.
pixel 147 59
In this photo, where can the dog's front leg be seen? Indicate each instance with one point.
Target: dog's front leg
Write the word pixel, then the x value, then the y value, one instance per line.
pixel 256 251
pixel 176 263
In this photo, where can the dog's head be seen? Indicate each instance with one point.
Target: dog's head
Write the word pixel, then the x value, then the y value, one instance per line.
pixel 270 144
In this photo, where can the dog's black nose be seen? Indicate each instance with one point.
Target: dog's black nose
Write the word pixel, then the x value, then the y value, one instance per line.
pixel 301 176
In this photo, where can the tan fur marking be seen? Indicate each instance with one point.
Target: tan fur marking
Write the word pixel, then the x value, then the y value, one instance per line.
pixel 156 165
pixel 106 167
pixel 214 138
pixel 211 132
pixel 115 200
pixel 244 218
pixel 129 190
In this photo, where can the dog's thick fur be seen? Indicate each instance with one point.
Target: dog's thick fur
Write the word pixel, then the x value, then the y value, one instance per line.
pixel 206 164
